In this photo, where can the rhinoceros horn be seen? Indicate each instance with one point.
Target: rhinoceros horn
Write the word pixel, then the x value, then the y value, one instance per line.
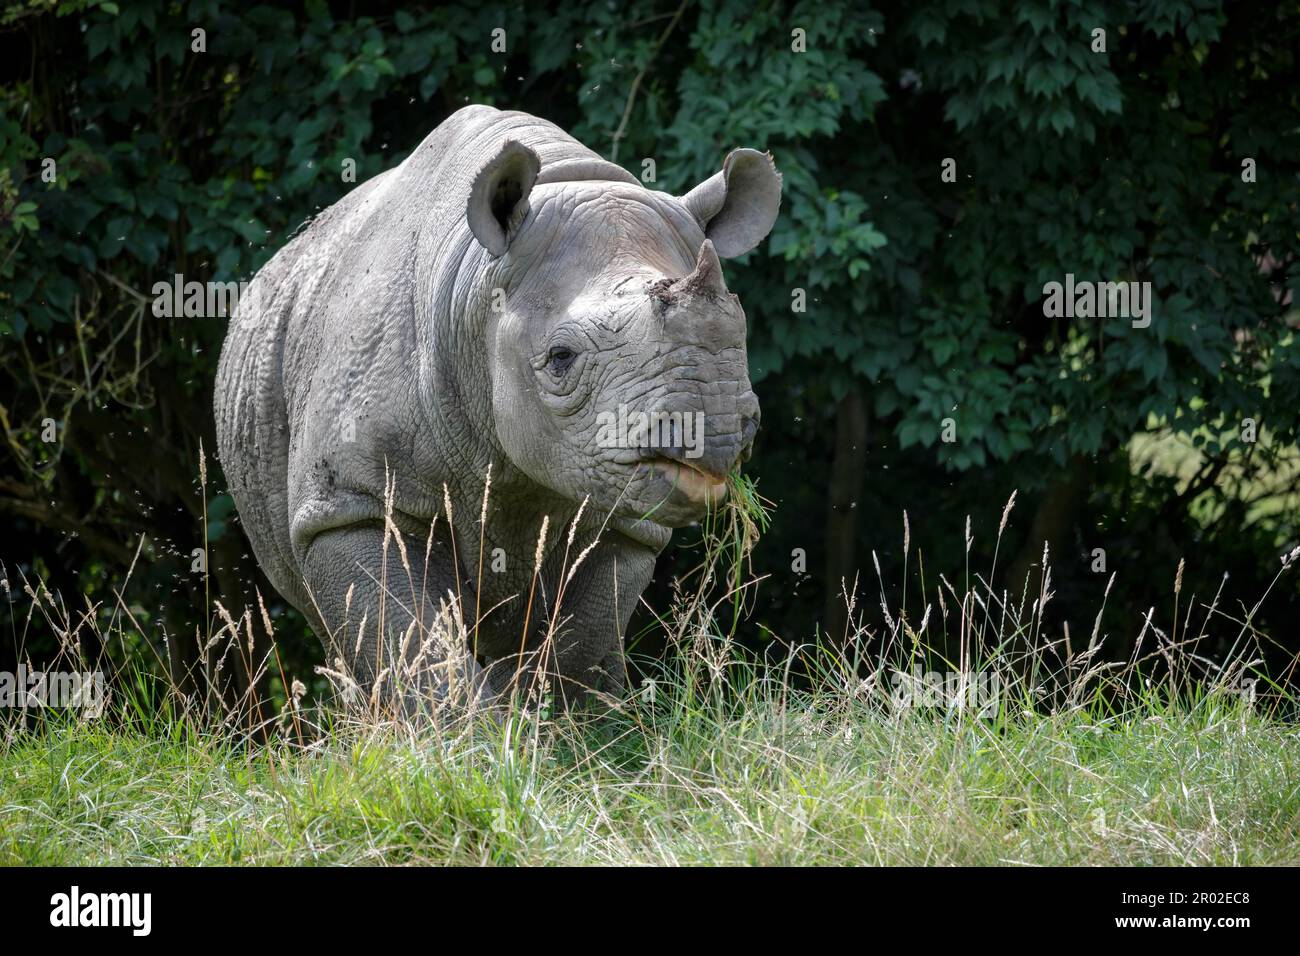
pixel 705 280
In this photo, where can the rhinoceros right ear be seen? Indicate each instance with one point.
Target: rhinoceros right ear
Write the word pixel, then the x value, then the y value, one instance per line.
pixel 499 196
pixel 737 207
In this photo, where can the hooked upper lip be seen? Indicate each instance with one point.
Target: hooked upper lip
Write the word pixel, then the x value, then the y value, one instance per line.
pixel 693 483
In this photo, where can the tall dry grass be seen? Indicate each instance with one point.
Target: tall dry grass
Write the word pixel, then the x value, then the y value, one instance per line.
pixel 426 675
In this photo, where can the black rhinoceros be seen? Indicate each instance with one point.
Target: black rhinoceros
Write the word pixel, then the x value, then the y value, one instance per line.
pixel 494 300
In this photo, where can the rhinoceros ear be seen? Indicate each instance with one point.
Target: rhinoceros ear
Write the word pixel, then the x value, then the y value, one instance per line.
pixel 737 206
pixel 499 196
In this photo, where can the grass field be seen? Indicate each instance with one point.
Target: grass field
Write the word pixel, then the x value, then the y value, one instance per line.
pixel 1067 759
pixel 770 783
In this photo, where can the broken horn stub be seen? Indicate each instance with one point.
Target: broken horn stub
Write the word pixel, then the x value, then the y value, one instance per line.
pixel 706 279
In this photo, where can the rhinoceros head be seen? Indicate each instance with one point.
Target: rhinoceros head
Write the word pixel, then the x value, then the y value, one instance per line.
pixel 616 353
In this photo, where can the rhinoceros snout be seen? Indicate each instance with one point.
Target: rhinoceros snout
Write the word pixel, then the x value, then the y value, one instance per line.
pixel 717 455
pixel 748 429
pixel 712 440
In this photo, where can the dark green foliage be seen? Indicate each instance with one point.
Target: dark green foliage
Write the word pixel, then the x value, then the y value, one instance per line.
pixel 926 294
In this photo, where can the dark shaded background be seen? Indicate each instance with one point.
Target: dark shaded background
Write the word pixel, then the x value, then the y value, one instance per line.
pixel 923 296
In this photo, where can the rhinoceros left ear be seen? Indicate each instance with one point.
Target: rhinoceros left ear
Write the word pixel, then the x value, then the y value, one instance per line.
pixel 738 206
pixel 499 196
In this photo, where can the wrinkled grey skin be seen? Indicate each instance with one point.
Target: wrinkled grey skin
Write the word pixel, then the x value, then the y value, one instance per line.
pixel 381 314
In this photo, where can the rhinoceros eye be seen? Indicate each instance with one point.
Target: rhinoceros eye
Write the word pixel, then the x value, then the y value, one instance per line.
pixel 560 359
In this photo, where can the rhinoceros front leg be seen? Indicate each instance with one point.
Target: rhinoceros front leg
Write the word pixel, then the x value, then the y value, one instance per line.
pixel 585 642
pixel 390 627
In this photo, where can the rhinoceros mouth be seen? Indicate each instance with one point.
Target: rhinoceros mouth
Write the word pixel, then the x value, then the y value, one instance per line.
pixel 688 482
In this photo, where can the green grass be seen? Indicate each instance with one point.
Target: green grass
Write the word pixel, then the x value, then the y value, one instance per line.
pixel 1163 758
pixel 669 783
